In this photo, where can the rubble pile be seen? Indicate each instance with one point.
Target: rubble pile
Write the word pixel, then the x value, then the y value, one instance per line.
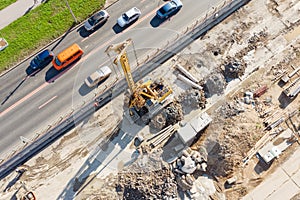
pixel 173 113
pixel 193 98
pixel 231 109
pixel 169 116
pixel 158 122
pixel 233 70
pixel 190 162
pixel 234 67
pixel 147 178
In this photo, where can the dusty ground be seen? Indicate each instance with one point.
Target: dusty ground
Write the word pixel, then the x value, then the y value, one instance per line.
pixel 262 40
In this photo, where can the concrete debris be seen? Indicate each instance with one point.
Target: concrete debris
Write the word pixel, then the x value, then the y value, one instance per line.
pixel 231 109
pixel 158 122
pixel 187 164
pixel 151 180
pixel 233 70
pixel 173 113
pixel 193 98
pixel 204 188
pixel 169 116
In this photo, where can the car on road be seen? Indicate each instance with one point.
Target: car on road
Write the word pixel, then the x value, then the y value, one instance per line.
pixel 169 9
pixel 97 19
pixel 97 76
pixel 128 17
pixel 42 59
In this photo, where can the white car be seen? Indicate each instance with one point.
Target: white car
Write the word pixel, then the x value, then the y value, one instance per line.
pixel 97 19
pixel 129 16
pixel 97 76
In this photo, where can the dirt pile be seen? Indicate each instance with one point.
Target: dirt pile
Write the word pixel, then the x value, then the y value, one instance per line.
pixel 234 139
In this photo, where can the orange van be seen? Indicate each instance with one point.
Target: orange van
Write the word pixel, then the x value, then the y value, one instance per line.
pixel 67 56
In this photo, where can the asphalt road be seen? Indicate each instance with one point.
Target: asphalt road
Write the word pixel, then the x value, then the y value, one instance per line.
pixel 29 104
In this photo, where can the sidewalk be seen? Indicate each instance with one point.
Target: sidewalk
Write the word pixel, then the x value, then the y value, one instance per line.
pixel 283 183
pixel 16 10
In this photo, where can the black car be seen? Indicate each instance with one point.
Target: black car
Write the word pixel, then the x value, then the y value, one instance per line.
pixel 42 59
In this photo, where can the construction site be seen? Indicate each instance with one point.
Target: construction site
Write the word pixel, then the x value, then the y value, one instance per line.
pixel 213 122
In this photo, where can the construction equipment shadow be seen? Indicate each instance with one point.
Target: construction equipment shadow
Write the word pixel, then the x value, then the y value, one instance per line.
pixel 102 157
pixel 261 166
pixel 284 100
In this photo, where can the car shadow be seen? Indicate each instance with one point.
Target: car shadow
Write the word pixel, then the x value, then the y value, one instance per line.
pixel 31 72
pixel 84 89
pixel 52 74
pixel 155 21
pixel 83 32
pixel 117 29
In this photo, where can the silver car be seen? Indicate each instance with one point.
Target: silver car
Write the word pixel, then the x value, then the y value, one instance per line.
pixel 97 76
pixel 97 19
pixel 129 16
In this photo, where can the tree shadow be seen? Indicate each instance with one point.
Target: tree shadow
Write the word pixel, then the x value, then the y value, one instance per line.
pixel 13 91
pixel 63 37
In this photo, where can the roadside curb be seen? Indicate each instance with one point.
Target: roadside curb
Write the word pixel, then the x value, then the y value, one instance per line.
pixel 49 44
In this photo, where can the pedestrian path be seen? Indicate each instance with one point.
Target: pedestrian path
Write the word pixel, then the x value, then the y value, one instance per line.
pixel 17 10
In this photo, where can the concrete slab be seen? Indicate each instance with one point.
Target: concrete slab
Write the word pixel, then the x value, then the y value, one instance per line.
pixel 296 178
pixel 292 165
pixel 286 191
pixel 271 184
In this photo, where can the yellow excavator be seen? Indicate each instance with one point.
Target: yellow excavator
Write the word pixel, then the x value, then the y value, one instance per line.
pixel 144 96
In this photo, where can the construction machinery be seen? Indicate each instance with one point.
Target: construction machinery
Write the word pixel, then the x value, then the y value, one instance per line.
pixel 146 97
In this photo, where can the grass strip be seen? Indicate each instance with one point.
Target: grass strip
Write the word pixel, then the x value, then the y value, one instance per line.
pixel 5 3
pixel 40 26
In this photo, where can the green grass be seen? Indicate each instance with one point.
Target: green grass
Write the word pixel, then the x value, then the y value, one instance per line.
pixel 5 3
pixel 40 26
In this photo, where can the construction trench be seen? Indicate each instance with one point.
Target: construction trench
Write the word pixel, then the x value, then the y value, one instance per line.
pixel 235 94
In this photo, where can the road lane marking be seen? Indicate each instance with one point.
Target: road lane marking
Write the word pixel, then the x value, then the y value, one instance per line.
pixel 78 62
pixel 125 30
pixel 44 104
pixel 24 99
